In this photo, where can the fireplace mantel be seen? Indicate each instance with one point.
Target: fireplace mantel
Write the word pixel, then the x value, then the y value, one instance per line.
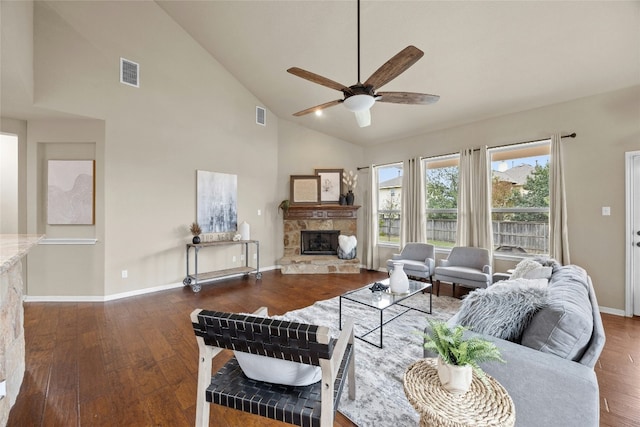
pixel 321 212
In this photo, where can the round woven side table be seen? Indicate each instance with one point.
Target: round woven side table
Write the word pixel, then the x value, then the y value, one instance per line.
pixel 483 405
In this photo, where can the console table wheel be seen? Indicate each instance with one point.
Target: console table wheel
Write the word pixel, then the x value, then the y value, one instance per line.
pixel 187 281
pixel 196 288
pixel 258 275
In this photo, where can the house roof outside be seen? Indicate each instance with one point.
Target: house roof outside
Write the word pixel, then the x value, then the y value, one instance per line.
pixel 516 175
pixel 391 183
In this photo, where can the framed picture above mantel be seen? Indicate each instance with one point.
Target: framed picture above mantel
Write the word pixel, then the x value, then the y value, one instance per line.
pixel 330 184
pixel 304 189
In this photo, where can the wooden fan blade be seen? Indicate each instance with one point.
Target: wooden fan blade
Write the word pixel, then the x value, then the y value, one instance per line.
pixel 394 67
pixel 315 78
pixel 407 98
pixel 318 107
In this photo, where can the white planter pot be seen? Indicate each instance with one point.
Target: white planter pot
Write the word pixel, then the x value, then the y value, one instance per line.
pixel 398 281
pixel 455 379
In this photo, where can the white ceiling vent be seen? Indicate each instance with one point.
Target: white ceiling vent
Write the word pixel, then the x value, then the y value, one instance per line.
pixel 129 73
pixel 261 116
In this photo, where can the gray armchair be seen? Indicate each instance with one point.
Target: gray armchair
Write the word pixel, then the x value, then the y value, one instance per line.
pixel 465 266
pixel 418 259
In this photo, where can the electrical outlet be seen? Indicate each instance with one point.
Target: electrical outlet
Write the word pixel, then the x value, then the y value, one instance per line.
pixel 234 258
pixel 606 210
pixel 3 388
pixel 259 212
pixel 125 274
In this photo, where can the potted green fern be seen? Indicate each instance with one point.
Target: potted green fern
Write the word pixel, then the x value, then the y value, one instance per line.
pixel 458 358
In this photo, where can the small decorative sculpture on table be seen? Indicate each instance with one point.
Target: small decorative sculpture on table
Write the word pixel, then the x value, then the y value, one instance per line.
pixel 195 230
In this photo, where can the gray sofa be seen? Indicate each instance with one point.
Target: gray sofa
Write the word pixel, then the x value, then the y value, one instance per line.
pixel 549 370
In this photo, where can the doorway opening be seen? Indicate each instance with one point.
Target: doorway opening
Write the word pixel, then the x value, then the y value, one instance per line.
pixel 8 184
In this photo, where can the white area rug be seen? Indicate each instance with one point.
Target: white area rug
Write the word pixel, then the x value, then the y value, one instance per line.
pixel 380 399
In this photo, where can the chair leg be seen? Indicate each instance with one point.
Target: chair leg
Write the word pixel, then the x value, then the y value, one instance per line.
pixel 351 378
pixel 453 292
pixel 437 288
pixel 207 353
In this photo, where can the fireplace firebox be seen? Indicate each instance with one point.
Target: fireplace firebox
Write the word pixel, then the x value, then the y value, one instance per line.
pixel 319 242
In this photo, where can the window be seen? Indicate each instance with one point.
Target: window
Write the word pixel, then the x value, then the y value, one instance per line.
pixel 520 198
pixel 389 202
pixel 441 180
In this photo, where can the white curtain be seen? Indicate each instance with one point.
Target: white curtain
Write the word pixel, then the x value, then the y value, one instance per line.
pixel 370 256
pixel 413 227
pixel 474 200
pixel 558 231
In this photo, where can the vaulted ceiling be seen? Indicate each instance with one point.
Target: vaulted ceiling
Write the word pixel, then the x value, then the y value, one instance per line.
pixel 483 58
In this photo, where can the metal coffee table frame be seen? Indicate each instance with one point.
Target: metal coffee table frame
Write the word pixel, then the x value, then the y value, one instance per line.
pixel 389 299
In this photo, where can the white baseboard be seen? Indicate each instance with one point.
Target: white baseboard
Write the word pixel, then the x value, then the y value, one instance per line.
pixel 113 297
pixel 614 311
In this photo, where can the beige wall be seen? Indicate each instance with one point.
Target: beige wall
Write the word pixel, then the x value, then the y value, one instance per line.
pixel 607 125
pixel 303 150
pixel 188 114
pixel 16 45
pixel 65 269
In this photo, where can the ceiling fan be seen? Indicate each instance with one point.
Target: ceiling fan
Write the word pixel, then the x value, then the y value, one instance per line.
pixel 360 97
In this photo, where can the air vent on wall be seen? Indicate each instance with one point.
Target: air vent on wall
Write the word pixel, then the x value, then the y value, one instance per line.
pixel 261 116
pixel 129 73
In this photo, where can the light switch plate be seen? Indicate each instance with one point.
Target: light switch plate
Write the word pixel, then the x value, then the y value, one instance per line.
pixel 606 210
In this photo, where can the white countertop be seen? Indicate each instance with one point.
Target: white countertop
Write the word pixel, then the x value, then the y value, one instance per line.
pixel 14 246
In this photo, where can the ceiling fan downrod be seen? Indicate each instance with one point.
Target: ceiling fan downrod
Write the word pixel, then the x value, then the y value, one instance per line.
pixel 359 42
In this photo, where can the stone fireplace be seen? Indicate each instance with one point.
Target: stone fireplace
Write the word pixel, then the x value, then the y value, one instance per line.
pixel 320 223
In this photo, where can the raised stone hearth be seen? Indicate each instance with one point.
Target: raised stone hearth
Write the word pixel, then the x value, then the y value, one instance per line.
pixel 317 217
pixel 319 264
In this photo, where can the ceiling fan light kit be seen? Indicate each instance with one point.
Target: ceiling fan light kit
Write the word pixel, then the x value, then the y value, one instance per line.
pixel 363 118
pixel 360 97
pixel 358 103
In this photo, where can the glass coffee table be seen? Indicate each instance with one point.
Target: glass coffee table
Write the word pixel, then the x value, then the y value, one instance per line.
pixel 383 300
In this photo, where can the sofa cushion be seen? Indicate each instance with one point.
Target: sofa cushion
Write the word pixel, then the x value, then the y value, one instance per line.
pixel 466 273
pixel 564 327
pixel 411 265
pixel 503 310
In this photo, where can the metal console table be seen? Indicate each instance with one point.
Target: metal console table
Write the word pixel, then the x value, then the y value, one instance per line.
pixel 194 280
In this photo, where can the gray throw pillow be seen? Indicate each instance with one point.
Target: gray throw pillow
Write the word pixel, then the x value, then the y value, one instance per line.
pixel 502 311
pixel 564 327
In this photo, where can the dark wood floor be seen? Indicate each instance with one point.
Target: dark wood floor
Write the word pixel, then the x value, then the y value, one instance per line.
pixel 133 362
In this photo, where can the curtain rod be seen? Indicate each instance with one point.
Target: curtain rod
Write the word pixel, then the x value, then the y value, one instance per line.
pixel 571 135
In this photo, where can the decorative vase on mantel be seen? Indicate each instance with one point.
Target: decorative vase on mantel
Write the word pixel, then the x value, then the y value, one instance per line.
pixel 350 197
pixel 342 200
pixel 454 378
pixel 196 240
pixel 398 281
